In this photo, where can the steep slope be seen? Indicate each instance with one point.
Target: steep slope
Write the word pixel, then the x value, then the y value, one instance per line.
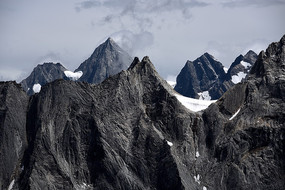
pixel 108 59
pixel 205 78
pixel 198 77
pixel 245 131
pixel 13 107
pixel 41 75
pixel 108 136
pixel 241 67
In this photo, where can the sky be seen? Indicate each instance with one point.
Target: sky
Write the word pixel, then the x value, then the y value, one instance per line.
pixel 170 32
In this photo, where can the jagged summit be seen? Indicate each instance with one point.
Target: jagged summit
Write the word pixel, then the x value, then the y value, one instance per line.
pixel 107 59
pixel 200 76
pixel 205 78
pixel 42 74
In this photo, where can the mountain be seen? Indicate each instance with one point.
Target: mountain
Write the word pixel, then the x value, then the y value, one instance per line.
pixel 198 77
pixel 131 132
pixel 41 75
pixel 205 78
pixel 241 66
pixel 108 59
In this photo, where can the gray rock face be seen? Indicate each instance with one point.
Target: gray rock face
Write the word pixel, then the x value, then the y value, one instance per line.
pixel 13 107
pixel 108 59
pixel 241 67
pixel 207 74
pixel 200 75
pixel 43 74
pixel 130 132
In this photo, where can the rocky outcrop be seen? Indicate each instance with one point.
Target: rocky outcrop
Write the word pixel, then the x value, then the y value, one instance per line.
pixel 241 67
pixel 245 129
pixel 108 59
pixel 205 78
pixel 130 132
pixel 41 75
pixel 13 108
pixel 200 76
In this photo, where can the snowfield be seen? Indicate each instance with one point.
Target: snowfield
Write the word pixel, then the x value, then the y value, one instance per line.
pixel 37 88
pixel 73 76
pixel 204 95
pixel 171 83
pixel 237 78
pixel 194 104
pixel 245 64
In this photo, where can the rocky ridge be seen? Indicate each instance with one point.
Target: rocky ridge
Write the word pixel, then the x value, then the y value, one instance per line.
pixel 205 78
pixel 130 132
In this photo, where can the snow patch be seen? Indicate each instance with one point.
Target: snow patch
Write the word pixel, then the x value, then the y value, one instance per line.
pixel 204 95
pixel 204 188
pixel 245 64
pixel 169 143
pixel 11 184
pixel 237 78
pixel 197 179
pixel 73 76
pixel 37 88
pixel 235 114
pixel 171 83
pixel 197 154
pixel 194 104
pixel 225 69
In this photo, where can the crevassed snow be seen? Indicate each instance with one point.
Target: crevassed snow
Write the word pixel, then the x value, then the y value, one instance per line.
pixel 204 95
pixel 171 83
pixel 169 143
pixel 235 114
pixel 197 154
pixel 11 184
pixel 245 64
pixel 194 104
pixel 197 179
pixel 237 78
pixel 37 88
pixel 73 76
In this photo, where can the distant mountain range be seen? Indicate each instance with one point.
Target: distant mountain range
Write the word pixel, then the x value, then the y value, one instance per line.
pixel 204 78
pixel 108 59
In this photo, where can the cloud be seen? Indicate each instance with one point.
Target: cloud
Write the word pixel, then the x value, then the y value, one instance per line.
pixel 49 57
pixel 86 5
pixel 132 42
pixel 257 3
pixel 139 7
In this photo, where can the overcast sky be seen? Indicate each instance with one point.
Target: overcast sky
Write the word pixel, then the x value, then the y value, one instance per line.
pixel 170 32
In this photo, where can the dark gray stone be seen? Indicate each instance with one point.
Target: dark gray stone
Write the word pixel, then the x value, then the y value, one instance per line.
pixel 117 134
pixel 13 108
pixel 108 59
pixel 43 74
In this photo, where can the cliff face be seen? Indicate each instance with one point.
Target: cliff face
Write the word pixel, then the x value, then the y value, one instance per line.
pixel 202 75
pixel 130 132
pixel 13 108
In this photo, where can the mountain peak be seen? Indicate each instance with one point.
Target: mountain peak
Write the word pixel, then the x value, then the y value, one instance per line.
pixel 42 74
pixel 107 59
